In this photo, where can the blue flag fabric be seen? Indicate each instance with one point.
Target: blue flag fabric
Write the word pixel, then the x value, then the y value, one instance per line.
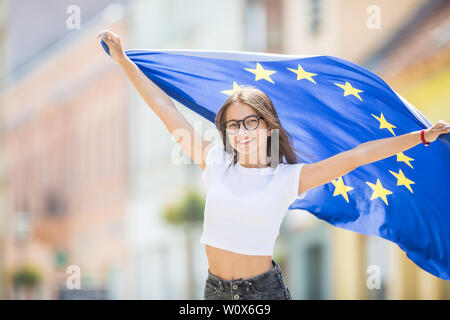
pixel 330 105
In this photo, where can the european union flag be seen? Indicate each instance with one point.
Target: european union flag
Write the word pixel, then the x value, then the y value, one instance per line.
pixel 330 105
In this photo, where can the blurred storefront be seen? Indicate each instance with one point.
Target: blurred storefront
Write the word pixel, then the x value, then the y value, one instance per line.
pixel 64 127
pixel 415 62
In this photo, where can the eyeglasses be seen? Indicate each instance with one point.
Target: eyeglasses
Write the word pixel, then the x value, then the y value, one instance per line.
pixel 250 123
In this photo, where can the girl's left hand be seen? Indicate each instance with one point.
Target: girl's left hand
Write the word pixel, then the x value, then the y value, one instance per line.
pixel 440 127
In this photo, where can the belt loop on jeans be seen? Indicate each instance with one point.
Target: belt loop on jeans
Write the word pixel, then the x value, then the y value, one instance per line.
pixel 248 284
pixel 220 285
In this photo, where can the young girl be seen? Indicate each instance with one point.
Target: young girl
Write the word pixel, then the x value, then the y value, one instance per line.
pixel 249 189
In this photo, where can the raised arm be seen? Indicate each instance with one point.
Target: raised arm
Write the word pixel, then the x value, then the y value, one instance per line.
pixel 190 140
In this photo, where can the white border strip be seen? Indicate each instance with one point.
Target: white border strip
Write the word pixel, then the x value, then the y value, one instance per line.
pixel 414 111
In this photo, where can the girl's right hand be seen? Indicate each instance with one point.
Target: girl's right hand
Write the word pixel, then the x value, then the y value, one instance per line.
pixel 112 40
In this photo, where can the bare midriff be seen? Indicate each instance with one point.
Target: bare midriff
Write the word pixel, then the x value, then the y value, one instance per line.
pixel 231 266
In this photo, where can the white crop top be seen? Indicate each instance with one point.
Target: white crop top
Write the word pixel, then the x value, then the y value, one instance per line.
pixel 245 206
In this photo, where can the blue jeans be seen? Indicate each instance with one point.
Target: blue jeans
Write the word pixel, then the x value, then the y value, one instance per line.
pixel 269 285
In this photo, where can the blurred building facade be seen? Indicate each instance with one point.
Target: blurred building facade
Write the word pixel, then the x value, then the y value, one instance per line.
pixel 89 166
pixel 159 253
pixel 3 23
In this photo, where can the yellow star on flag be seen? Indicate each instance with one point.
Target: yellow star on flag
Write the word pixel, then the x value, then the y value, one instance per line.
pixel 235 89
pixel 341 188
pixel 302 74
pixel 260 73
pixel 379 191
pixel 384 124
pixel 402 180
pixel 348 89
pixel 401 157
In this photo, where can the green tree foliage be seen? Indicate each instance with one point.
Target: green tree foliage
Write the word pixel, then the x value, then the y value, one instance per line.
pixel 26 276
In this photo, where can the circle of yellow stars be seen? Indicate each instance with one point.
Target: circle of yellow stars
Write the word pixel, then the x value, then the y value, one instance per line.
pixel 348 90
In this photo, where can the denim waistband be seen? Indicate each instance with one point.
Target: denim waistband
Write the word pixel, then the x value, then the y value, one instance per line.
pixel 276 270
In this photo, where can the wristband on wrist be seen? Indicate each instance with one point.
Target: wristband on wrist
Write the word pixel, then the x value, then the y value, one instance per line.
pixel 422 136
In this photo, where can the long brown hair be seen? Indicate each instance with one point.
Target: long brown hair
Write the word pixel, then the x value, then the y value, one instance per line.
pixel 263 106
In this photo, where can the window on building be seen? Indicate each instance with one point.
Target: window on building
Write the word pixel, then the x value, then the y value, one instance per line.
pixel 60 259
pixel 22 225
